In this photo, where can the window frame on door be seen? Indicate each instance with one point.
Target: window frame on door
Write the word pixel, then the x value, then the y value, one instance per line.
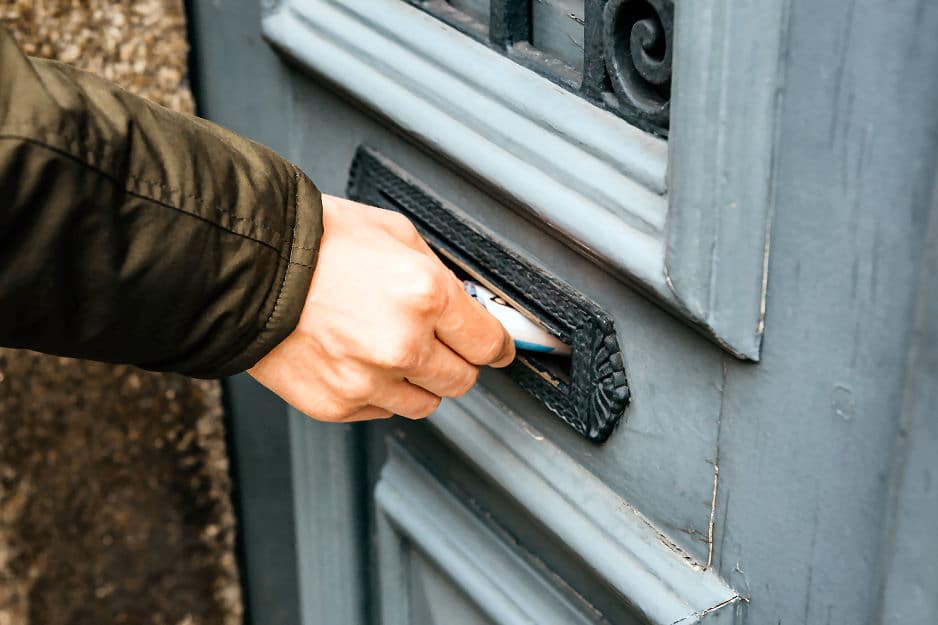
pixel 686 219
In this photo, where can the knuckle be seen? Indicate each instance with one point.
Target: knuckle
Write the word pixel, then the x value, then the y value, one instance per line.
pixel 490 350
pixel 410 234
pixel 399 224
pixel 330 412
pixel 400 354
pixel 433 404
pixel 427 408
pixel 358 390
pixel 354 386
pixel 426 294
pixel 469 380
pixel 402 228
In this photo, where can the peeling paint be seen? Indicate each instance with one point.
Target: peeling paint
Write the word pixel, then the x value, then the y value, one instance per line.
pixel 716 473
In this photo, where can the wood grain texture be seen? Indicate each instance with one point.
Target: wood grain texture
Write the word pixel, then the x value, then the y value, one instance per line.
pixel 809 436
pixel 806 440
pixel 909 551
pixel 561 153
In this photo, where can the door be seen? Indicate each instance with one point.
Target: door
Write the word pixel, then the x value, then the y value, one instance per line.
pixel 614 169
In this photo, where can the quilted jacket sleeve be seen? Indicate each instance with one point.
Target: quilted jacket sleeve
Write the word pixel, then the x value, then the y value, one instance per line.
pixel 130 233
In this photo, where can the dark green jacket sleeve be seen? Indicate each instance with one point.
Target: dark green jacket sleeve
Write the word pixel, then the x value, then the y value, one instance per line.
pixel 133 234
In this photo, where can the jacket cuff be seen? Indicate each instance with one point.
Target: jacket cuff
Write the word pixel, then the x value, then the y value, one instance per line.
pixel 298 255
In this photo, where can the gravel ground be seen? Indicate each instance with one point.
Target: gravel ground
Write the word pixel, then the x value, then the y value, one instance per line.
pixel 114 488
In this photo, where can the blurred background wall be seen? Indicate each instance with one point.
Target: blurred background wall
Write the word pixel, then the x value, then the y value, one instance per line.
pixel 114 487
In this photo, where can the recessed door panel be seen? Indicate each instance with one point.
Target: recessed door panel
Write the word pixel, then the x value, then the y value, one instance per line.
pixel 429 540
pixel 435 600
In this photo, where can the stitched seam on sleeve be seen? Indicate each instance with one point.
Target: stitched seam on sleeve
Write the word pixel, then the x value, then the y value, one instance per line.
pixel 80 151
pixel 294 246
pixel 296 214
pixel 263 225
pixel 297 176
pixel 286 272
pixel 146 197
pixel 251 344
pixel 216 225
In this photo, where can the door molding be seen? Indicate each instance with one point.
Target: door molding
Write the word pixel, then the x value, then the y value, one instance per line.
pixel 415 512
pixel 329 514
pixel 686 219
pixel 625 550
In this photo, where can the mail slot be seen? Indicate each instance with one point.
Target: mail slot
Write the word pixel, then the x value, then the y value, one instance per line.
pixel 587 389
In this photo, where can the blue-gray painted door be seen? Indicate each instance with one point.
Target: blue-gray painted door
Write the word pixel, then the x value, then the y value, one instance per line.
pixel 765 251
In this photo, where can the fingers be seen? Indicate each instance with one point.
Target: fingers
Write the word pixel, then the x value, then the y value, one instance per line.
pixel 385 327
pixel 470 331
pixel 444 373
pixel 393 222
pixel 407 400
pixel 465 326
pixel 398 398
pixel 405 231
pixel 369 413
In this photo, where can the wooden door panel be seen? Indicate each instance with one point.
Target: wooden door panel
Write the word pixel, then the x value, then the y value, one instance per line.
pixel 661 459
pixel 569 509
pixel 436 600
pixel 625 527
pixel 664 456
pixel 433 548
pixel 685 219
pixel 731 492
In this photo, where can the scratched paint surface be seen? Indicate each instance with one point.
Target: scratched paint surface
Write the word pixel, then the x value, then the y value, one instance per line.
pixel 806 440
pixel 557 29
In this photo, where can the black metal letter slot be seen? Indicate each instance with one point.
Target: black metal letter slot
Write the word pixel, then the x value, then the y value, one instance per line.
pixel 587 389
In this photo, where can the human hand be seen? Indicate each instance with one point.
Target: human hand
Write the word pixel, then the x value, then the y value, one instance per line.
pixel 386 327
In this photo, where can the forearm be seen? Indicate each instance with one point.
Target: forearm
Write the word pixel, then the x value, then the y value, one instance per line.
pixel 130 233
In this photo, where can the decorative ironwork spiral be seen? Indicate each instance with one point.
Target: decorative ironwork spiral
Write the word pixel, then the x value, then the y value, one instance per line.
pixel 637 41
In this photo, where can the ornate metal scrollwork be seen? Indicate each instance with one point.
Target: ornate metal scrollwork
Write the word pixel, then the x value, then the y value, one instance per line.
pixel 638 43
